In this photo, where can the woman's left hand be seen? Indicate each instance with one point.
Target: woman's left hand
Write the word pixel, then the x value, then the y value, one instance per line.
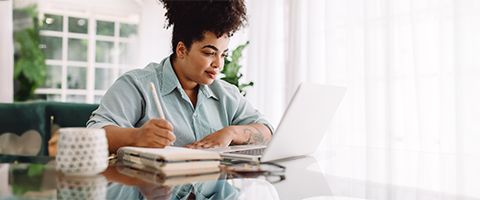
pixel 220 138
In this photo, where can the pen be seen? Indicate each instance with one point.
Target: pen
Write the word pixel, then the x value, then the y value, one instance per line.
pixel 157 100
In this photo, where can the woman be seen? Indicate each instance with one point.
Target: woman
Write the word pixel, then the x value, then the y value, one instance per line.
pixel 200 111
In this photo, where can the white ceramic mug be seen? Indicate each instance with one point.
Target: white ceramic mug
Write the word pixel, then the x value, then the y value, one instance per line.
pixel 82 151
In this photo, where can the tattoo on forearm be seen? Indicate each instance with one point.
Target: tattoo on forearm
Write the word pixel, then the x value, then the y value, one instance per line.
pixel 256 137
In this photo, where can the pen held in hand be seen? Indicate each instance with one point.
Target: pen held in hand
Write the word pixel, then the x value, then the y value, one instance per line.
pixel 157 101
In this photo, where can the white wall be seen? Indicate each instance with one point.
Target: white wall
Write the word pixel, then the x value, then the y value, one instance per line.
pixel 123 8
pixel 155 40
pixel 6 52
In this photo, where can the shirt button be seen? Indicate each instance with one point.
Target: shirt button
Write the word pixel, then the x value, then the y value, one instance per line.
pixel 195 115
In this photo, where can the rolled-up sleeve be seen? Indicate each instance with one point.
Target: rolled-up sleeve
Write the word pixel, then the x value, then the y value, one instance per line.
pixel 121 105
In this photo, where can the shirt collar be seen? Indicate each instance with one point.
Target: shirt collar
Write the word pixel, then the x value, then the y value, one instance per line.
pixel 207 91
pixel 169 78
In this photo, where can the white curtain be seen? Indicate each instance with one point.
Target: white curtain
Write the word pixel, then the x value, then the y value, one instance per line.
pixel 265 61
pixel 412 68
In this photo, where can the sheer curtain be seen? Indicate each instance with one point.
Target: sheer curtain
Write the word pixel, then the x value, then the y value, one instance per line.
pixel 412 68
pixel 265 60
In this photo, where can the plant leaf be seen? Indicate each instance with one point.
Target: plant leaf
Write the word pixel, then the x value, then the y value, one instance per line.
pixel 231 69
pixel 30 66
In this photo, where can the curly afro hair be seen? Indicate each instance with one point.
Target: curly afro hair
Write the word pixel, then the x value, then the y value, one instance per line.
pixel 191 19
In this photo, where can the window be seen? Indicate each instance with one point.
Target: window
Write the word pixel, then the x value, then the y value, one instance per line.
pixel 85 54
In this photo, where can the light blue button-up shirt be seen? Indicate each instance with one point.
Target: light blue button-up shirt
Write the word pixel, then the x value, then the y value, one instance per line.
pixel 129 103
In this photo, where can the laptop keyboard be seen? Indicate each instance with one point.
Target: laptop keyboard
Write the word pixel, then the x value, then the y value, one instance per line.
pixel 253 152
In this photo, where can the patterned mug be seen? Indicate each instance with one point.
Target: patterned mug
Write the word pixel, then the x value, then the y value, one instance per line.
pixel 82 151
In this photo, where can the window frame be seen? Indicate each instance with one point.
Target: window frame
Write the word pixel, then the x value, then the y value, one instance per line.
pixel 91 65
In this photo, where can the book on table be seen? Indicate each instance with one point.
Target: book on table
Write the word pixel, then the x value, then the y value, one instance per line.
pixel 170 161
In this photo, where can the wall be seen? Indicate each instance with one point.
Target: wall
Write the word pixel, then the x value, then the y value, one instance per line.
pixel 6 52
pixel 154 38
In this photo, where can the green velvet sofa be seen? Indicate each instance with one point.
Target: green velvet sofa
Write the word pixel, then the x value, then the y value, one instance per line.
pixel 42 116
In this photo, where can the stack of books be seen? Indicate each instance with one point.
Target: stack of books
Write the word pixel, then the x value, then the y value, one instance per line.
pixel 159 164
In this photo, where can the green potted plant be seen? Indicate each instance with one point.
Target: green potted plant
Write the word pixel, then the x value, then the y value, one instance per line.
pixel 29 67
pixel 231 69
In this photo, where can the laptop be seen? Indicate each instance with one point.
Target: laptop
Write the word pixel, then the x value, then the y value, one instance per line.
pixel 301 128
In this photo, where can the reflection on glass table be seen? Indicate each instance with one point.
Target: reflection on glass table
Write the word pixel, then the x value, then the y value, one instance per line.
pixel 341 173
pixel 88 187
pixel 298 183
pixel 131 183
pixel 215 189
pixel 157 178
pixel 27 181
pixel 269 171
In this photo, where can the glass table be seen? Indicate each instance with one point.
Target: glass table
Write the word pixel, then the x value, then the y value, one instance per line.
pixel 339 173
pixel 30 177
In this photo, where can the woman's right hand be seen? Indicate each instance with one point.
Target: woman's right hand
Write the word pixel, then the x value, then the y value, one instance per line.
pixel 154 133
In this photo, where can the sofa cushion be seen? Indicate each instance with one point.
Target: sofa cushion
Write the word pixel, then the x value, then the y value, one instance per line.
pixel 43 117
pixel 28 144
pixel 18 118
